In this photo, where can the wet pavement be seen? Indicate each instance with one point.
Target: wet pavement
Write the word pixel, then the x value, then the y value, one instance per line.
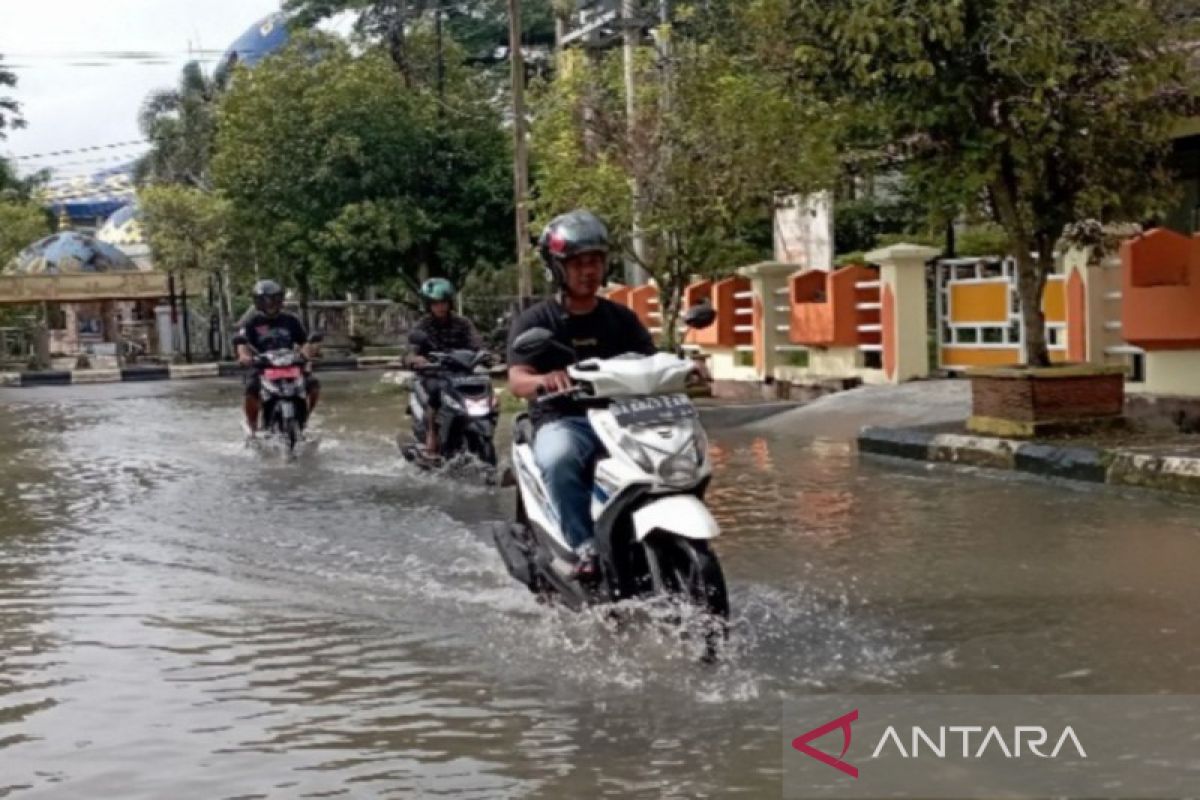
pixel 181 617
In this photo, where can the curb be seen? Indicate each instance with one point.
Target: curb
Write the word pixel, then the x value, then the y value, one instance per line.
pixel 173 372
pixel 1084 464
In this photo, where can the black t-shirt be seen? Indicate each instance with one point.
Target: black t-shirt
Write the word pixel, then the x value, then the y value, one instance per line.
pixel 608 331
pixel 283 332
pixel 455 333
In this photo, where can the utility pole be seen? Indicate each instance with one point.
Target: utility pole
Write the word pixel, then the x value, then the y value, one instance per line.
pixel 635 273
pixel 520 151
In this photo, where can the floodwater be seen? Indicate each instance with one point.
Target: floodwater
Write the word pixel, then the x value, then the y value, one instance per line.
pixel 180 617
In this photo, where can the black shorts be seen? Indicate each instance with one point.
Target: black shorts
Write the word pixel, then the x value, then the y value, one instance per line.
pixel 252 380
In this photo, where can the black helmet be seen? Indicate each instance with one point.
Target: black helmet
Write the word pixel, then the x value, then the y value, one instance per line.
pixel 567 236
pixel 267 290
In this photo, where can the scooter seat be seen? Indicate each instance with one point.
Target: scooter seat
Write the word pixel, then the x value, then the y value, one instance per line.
pixel 523 430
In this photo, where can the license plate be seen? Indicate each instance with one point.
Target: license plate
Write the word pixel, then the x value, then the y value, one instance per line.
pixel 283 373
pixel 654 410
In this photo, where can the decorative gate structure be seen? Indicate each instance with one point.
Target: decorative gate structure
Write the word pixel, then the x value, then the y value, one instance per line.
pixel 979 319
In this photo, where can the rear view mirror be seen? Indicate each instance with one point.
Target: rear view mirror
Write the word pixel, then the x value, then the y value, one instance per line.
pixel 533 342
pixel 240 340
pixel 316 338
pixel 700 316
pixel 540 343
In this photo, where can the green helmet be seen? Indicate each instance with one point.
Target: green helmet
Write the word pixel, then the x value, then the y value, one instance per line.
pixel 437 290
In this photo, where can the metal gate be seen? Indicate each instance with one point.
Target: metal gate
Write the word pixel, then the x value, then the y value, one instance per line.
pixel 979 321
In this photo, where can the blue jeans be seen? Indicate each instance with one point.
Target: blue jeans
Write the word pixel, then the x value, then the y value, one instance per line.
pixel 566 451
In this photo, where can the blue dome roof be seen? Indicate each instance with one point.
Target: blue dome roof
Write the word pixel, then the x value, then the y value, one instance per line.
pixel 267 36
pixel 124 228
pixel 69 252
pixel 86 200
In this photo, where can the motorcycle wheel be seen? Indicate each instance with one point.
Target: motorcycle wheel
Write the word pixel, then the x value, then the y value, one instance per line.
pixel 484 450
pixel 688 570
pixel 290 432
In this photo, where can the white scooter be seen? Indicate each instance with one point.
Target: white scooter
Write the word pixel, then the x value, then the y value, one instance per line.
pixel 653 530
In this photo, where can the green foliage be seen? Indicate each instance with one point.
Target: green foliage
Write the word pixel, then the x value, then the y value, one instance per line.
pixel 480 27
pixel 347 178
pixel 21 224
pixel 714 139
pixel 858 224
pixel 187 229
pixel 1042 111
pixel 180 124
pixel 10 110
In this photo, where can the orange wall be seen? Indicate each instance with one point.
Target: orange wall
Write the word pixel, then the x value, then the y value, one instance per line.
pixel 643 301
pixel 1160 296
pixel 824 307
pixel 988 356
pixel 1054 301
pixel 980 303
pixel 721 294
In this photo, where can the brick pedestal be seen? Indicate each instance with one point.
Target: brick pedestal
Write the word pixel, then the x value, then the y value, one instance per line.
pixel 1026 402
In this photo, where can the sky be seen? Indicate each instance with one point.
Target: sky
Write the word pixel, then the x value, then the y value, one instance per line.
pixel 75 93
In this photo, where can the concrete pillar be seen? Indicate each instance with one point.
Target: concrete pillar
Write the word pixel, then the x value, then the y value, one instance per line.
pixel 765 281
pixel 1093 325
pixel 166 338
pixel 904 309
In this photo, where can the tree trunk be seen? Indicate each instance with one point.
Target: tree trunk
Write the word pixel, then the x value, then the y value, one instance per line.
pixel 1031 281
pixel 396 44
pixel 1031 272
pixel 670 299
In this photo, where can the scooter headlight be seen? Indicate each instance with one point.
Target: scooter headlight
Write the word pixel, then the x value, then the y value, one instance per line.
pixel 678 470
pixel 634 449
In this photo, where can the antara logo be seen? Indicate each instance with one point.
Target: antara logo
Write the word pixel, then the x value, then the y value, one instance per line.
pixel 843 723
pixel 946 741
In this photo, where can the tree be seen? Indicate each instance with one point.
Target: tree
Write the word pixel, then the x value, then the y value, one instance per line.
pixel 180 124
pixel 10 110
pixel 1043 112
pixel 347 179
pixel 480 27
pixel 190 230
pixel 716 138
pixel 21 224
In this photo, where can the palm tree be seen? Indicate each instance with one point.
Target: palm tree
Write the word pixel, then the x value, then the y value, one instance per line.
pixel 180 124
pixel 10 111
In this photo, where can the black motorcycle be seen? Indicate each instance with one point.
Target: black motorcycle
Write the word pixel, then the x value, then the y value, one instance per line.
pixel 468 413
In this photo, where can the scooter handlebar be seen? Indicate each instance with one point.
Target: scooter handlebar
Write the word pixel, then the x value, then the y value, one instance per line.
pixel 544 397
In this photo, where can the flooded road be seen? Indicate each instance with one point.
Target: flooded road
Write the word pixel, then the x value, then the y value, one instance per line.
pixel 180 617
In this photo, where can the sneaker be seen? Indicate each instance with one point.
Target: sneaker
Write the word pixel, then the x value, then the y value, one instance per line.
pixel 587 566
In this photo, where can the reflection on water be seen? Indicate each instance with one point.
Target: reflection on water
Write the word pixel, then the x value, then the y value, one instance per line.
pixel 181 617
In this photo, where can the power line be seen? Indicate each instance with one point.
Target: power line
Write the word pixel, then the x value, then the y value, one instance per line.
pixel 74 151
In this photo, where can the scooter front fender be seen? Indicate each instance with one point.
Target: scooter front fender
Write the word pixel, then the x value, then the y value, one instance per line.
pixel 681 514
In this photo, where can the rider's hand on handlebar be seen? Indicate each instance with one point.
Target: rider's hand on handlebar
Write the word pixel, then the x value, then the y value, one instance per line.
pixel 558 381
pixel 419 362
pixel 245 357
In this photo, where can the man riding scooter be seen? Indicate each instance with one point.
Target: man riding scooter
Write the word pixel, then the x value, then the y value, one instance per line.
pixel 574 249
pixel 440 331
pixel 264 328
